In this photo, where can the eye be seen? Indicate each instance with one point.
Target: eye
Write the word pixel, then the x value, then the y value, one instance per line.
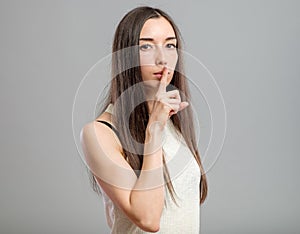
pixel 145 47
pixel 171 46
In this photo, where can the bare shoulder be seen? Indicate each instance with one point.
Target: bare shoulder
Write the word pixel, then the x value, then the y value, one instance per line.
pixel 95 133
pixel 104 157
pixel 102 131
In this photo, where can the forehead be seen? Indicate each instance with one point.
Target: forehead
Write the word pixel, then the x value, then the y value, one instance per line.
pixel 157 28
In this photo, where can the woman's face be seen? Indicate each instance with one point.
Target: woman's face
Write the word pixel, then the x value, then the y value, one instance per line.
pixel 157 48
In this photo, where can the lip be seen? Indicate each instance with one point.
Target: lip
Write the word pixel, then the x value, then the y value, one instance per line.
pixel 159 74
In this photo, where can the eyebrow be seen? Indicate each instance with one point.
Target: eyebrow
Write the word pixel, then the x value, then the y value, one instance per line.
pixel 151 39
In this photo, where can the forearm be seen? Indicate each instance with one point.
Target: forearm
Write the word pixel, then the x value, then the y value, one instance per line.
pixel 147 196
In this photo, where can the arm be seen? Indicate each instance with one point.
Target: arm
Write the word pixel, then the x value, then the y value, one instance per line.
pixel 142 206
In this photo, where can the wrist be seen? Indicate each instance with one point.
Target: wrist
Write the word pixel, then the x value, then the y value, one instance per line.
pixel 154 128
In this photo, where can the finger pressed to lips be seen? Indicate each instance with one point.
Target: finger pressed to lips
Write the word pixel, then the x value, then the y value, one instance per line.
pixel 160 72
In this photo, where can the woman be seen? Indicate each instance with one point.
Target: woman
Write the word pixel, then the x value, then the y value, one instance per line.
pixel 129 148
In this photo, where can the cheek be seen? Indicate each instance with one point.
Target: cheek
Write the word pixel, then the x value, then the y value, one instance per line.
pixel 172 60
pixel 170 77
pixel 145 70
pixel 147 59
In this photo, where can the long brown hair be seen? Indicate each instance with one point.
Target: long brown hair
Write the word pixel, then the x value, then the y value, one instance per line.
pixel 124 76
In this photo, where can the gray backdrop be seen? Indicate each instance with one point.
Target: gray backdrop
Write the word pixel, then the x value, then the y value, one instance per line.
pixel 251 47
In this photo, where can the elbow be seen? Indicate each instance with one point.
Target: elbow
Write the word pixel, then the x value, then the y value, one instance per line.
pixel 150 226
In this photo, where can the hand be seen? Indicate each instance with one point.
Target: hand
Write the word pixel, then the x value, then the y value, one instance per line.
pixel 166 103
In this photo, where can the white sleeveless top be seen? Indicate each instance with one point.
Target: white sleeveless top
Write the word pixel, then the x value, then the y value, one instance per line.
pixel 185 175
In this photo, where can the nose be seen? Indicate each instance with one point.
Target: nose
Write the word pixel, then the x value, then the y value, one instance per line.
pixel 160 58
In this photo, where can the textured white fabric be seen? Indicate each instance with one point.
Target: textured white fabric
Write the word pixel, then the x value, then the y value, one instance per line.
pixel 185 175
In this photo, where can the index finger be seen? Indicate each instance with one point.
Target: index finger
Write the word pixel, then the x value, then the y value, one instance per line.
pixel 163 82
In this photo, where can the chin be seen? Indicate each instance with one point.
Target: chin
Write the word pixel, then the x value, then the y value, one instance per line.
pixel 151 84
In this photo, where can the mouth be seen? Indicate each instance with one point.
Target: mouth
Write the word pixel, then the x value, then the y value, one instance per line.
pixel 159 74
